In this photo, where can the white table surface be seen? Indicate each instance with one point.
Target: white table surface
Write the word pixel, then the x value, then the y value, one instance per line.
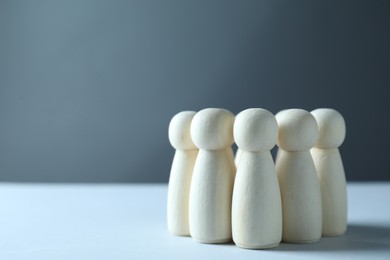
pixel 52 221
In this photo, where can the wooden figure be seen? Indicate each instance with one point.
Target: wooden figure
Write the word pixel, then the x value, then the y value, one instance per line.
pixel 299 184
pixel 213 177
pixel 181 173
pixel 256 206
pixel 330 170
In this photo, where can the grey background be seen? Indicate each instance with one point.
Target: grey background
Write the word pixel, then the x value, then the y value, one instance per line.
pixel 87 88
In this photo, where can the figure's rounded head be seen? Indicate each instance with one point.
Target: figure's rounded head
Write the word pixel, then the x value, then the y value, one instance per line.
pixel 331 126
pixel 255 129
pixel 179 131
pixel 298 130
pixel 212 129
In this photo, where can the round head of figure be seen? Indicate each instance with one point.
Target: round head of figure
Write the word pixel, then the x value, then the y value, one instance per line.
pixel 298 130
pixel 331 126
pixel 179 131
pixel 255 129
pixel 212 129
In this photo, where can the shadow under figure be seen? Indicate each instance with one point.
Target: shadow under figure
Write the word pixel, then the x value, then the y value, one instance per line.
pixel 359 237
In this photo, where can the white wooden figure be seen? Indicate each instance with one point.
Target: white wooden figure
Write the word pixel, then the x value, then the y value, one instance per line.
pixel 330 170
pixel 181 173
pixel 213 177
pixel 299 184
pixel 256 206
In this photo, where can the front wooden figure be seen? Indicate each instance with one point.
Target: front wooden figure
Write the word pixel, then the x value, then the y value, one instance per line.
pixel 256 206
pixel 213 177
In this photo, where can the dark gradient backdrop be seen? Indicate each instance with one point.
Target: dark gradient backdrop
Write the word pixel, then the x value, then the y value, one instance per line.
pixel 87 88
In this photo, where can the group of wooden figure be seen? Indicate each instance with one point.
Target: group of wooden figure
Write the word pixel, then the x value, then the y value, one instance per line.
pixel 216 197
